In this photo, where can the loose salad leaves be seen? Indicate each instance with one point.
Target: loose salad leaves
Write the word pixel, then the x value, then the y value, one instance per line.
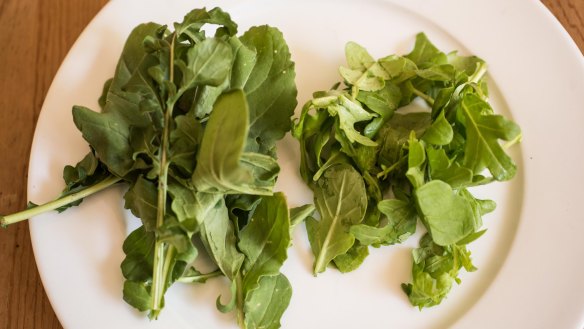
pixel 189 122
pixel 376 168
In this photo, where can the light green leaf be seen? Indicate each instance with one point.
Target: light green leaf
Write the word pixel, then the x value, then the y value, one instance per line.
pixel 440 132
pixel 363 72
pixel 299 214
pixel 483 131
pixel 350 113
pixel 401 224
pixel 352 259
pixel 416 162
pixel 447 216
pixel 425 54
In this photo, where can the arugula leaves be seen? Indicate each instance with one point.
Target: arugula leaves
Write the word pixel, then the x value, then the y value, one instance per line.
pixel 376 169
pixel 190 123
pixel 341 201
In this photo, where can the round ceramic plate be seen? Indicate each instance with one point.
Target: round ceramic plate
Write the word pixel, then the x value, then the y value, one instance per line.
pixel 530 261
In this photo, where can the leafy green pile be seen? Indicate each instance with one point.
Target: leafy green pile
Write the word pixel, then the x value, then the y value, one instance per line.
pixel 375 167
pixel 189 123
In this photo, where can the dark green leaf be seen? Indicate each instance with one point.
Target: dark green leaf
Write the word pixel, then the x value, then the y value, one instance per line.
pixel 217 234
pixel 221 166
pixel 341 201
pixel 194 21
pixel 142 199
pixel 265 240
pixel 270 89
pixel 137 294
pixel 265 305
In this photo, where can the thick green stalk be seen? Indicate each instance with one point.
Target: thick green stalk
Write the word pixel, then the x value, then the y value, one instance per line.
pixel 239 301
pixel 200 278
pixel 161 264
pixel 425 97
pixel 63 201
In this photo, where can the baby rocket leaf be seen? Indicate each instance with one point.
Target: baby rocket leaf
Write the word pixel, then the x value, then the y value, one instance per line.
pixel 341 202
pixel 486 129
pixel 220 165
pixel 448 216
pixel 419 132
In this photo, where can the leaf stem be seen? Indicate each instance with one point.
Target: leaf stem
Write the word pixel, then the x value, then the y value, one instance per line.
pixel 425 97
pixel 478 74
pixel 389 169
pixel 160 264
pixel 239 301
pixel 63 201
pixel 514 141
pixel 200 277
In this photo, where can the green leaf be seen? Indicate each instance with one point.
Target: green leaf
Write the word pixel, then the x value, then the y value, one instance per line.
pixel 270 89
pixel 86 173
pixel 466 64
pixel 352 259
pixel 349 113
pixel 383 102
pixel 443 73
pixel 222 166
pixel 142 199
pixel 483 130
pixel 440 132
pixel 217 234
pixel 434 270
pixel 443 168
pixel 299 214
pixel 184 142
pixel 139 250
pixel 363 72
pixel 137 294
pixel 447 216
pixel 395 134
pixel 399 68
pixel 265 305
pixel 416 162
pixel 186 206
pixel 210 63
pixel 131 102
pixel 341 201
pixel 425 54
pixel 197 18
pixel 401 224
pixel 265 240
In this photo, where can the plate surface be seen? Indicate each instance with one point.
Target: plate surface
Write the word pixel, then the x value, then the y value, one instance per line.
pixel 530 261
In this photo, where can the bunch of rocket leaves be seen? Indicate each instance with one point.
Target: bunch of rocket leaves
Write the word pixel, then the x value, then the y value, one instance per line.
pixel 376 166
pixel 190 122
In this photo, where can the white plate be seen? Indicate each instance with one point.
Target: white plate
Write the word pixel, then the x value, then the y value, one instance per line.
pixel 530 261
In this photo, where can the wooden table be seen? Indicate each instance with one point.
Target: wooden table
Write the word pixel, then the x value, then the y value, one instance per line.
pixel 36 35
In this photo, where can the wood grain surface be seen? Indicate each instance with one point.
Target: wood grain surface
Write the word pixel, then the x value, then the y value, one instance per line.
pixel 36 35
